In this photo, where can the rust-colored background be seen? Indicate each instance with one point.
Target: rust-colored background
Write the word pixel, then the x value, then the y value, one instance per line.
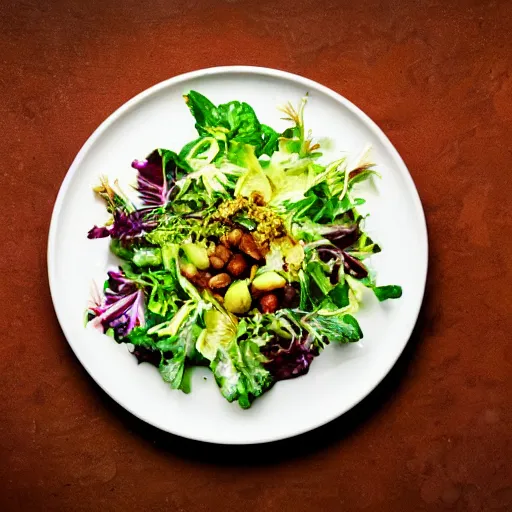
pixel 436 77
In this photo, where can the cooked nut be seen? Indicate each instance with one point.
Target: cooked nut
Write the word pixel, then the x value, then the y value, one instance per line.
pixel 234 237
pixel 222 252
pixel 237 265
pixel 202 279
pixel 224 240
pixel 248 245
pixel 219 281
pixel 269 303
pixel 216 262
pixel 198 278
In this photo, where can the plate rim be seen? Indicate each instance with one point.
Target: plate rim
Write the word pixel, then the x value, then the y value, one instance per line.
pixel 265 72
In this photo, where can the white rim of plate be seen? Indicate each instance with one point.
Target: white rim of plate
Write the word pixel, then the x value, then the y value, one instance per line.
pixel 254 70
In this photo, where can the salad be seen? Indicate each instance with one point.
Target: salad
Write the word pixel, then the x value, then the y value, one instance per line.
pixel 242 253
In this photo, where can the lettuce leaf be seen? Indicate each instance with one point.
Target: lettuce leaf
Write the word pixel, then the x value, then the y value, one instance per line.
pixel 254 179
pixel 387 292
pixel 239 372
pixel 232 121
pixel 221 329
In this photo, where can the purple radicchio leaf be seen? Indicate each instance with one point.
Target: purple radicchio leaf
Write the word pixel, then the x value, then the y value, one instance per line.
pixel 152 183
pixel 328 252
pixel 125 226
pixel 98 232
pixel 287 362
pixel 122 308
pixel 341 236
pixel 353 266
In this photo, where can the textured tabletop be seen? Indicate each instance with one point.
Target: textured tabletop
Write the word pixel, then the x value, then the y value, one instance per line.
pixel 436 77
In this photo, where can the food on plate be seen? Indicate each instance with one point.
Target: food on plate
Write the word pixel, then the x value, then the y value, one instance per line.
pixel 243 253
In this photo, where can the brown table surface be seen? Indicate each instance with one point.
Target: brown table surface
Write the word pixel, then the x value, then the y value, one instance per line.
pixel 436 76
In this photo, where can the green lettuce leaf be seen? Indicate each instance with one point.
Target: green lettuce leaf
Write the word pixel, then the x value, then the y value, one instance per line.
pixel 200 152
pixel 387 292
pixel 239 372
pixel 342 328
pixel 221 329
pixel 179 338
pixel 232 121
pixel 172 370
pixel 147 257
pixel 254 179
pixel 203 110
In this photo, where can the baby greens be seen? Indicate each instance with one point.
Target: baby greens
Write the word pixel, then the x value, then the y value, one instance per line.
pixel 299 273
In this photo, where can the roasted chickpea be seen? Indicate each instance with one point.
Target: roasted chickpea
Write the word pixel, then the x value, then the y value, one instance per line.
pixel 222 252
pixel 248 245
pixel 219 281
pixel 234 237
pixel 237 265
pixel 216 262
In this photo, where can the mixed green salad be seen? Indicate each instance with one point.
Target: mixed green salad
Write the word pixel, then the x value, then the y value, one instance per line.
pixel 243 253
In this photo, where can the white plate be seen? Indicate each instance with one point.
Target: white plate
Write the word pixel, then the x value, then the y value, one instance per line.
pixel 342 375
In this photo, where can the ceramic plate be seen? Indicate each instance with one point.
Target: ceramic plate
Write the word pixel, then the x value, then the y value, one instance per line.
pixel 342 375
